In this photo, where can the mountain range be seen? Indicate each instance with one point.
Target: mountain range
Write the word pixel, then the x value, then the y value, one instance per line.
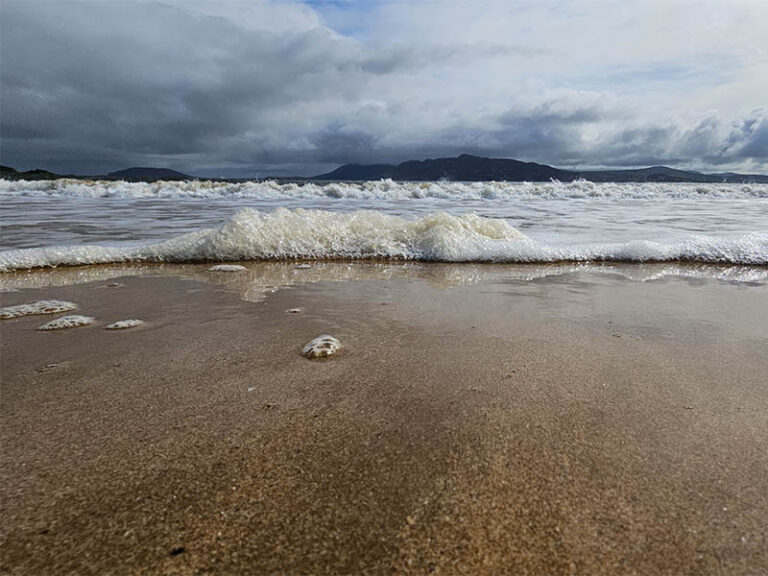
pixel 135 174
pixel 476 168
pixel 461 168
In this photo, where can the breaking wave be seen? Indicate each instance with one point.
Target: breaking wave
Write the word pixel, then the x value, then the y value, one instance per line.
pixel 376 190
pixel 323 235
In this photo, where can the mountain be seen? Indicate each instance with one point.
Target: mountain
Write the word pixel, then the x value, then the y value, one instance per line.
pixel 359 172
pixel 464 167
pixel 476 168
pixel 656 174
pixel 148 174
pixel 9 173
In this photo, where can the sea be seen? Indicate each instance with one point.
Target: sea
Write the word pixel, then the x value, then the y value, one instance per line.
pixel 70 222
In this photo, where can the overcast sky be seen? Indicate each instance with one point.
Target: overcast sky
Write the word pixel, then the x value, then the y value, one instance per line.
pixel 276 87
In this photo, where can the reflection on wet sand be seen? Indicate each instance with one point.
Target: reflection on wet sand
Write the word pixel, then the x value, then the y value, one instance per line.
pixel 260 278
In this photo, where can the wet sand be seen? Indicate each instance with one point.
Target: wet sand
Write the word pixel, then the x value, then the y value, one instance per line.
pixel 574 424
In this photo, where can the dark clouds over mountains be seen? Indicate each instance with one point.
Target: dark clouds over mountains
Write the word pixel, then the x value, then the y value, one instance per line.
pixel 239 89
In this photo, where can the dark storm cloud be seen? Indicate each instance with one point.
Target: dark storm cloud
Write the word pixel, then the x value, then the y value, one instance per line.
pixel 227 88
pixel 712 140
pixel 750 137
pixel 126 81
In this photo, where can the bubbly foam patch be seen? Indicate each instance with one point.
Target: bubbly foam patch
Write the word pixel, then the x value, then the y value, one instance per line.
pixel 227 268
pixel 39 307
pixel 317 235
pixel 124 324
pixel 322 346
pixel 378 190
pixel 72 321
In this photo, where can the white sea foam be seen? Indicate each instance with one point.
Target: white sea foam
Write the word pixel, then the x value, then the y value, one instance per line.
pixel 39 307
pixel 322 346
pixel 320 235
pixel 72 321
pixel 227 268
pixel 376 190
pixel 124 324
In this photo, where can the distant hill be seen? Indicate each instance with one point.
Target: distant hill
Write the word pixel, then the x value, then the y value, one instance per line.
pixel 664 174
pixel 476 168
pixel 136 174
pixel 148 174
pixel 9 173
pixel 360 172
pixel 464 167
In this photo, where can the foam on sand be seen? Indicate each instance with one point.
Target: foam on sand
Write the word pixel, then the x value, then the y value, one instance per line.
pixel 34 308
pixel 226 268
pixel 124 324
pixel 322 346
pixel 72 321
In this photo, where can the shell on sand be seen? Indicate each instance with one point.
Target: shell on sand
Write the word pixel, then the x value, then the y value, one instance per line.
pixel 322 346
pixel 226 268
pixel 72 321
pixel 124 324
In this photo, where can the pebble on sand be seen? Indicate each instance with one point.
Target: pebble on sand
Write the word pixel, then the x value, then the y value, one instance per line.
pixel 322 346
pixel 72 321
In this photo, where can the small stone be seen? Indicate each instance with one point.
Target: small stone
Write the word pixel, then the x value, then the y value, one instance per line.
pixel 322 346
pixel 177 551
pixel 294 311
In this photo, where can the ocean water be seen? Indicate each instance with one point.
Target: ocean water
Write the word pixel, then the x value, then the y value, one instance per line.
pixel 70 222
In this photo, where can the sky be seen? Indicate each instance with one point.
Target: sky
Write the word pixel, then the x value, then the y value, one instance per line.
pixel 275 87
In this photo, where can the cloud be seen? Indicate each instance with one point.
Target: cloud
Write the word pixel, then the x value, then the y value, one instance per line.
pixel 241 88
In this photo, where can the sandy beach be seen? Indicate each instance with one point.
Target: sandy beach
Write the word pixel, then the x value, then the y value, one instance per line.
pixel 476 422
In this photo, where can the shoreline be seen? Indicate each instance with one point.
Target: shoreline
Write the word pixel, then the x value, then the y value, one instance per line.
pixel 474 422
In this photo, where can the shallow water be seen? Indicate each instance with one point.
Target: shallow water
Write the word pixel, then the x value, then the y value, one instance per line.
pixel 565 221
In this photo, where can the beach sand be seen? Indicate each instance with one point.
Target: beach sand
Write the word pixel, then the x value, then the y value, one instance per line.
pixel 474 423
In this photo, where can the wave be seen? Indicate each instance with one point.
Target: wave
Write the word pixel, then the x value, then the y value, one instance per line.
pixel 376 190
pixel 324 235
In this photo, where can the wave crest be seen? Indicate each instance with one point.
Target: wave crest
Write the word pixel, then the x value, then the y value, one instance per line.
pixel 376 190
pixel 321 235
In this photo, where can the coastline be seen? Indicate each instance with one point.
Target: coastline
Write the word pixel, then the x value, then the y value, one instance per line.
pixel 475 422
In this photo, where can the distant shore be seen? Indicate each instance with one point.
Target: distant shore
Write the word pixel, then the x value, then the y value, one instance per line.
pixel 463 168
pixel 579 423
